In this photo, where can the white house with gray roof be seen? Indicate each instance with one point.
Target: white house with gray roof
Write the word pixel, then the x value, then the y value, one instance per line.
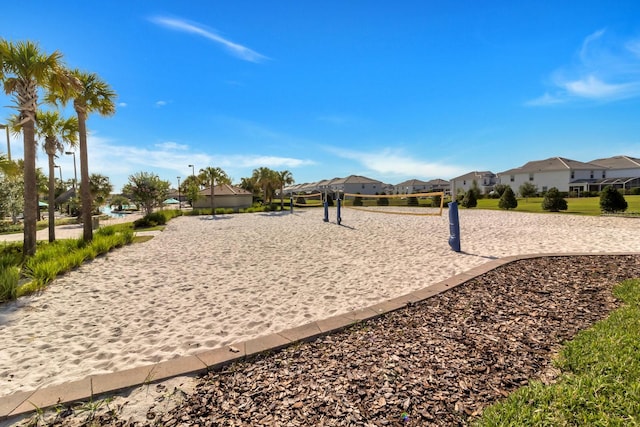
pixel 485 181
pixel 565 174
pixel 621 172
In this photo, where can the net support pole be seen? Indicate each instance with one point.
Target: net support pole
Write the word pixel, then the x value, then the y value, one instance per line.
pixel 338 204
pixel 326 209
pixel 454 227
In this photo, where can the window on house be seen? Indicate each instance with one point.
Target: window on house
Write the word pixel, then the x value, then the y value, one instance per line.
pixel 573 174
pixel 604 174
pixel 530 177
pixel 591 175
pixel 544 188
pixel 362 185
pixel 512 178
pixel 464 182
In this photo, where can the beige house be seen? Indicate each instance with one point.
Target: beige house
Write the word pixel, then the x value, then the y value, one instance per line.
pixel 225 196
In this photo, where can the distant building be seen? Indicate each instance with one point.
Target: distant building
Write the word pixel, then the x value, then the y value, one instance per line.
pixel 351 184
pixel 418 186
pixel 225 196
pixel 485 181
pixel 565 174
pixel 622 172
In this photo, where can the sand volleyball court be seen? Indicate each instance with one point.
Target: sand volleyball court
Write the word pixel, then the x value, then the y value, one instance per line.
pixel 204 283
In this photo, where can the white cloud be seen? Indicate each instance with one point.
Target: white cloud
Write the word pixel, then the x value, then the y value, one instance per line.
pixel 161 103
pixel 605 70
pixel 122 104
pixel 170 146
pixel 592 87
pixel 394 162
pixel 235 49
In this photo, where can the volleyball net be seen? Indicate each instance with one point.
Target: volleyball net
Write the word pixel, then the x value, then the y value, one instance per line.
pixel 307 200
pixel 396 204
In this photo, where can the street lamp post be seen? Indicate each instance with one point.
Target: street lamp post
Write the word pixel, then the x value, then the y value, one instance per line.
pixel 6 127
pixel 60 169
pixel 75 173
pixel 179 199
pixel 193 170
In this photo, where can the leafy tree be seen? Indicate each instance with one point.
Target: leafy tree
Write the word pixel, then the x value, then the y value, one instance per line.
pixel 553 201
pixel 101 189
pixel 11 189
pixel 250 184
pixel 382 201
pixel 90 95
pixel 210 175
pixel 56 131
pixel 285 178
pixel 612 200
pixel 527 190
pixel 476 190
pixel 508 199
pixel 190 188
pixel 119 202
pixel 499 189
pixel 470 200
pixel 24 69
pixel 266 179
pixel 147 190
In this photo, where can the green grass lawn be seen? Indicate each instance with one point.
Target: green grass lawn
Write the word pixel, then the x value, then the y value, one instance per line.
pixel 599 383
pixel 576 206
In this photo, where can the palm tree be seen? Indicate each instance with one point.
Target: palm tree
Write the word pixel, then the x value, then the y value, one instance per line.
pixel 50 126
pixel 92 95
pixel 24 70
pixel 210 175
pixel 284 178
pixel 265 178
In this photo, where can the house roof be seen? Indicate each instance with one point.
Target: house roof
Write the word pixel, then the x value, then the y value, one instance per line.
pixel 475 175
pixel 438 181
pixel 225 190
pixel 69 194
pixel 551 164
pixel 411 182
pixel 357 179
pixel 618 162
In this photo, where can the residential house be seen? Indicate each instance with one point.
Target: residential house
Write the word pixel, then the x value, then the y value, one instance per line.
pixel 225 196
pixel 417 186
pixel 485 181
pixel 565 174
pixel 621 172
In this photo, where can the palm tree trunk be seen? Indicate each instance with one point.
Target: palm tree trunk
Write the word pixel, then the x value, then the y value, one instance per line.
pixel 30 189
pixel 51 199
pixel 213 195
pixel 85 187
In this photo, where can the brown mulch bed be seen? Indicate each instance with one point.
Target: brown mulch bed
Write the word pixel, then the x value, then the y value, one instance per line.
pixel 437 362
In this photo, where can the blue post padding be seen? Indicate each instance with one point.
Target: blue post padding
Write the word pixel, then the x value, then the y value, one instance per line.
pixel 326 210
pixel 454 227
pixel 291 204
pixel 338 217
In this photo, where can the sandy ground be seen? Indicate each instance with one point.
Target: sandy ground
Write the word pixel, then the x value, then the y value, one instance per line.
pixel 204 283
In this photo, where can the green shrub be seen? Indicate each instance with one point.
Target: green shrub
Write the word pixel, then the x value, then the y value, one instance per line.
pixel 357 201
pixel 412 201
pixel 508 199
pixel 9 277
pixel 470 200
pixel 553 201
pixel 382 201
pixel 612 200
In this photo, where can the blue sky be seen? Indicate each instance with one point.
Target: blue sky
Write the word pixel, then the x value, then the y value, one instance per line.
pixel 390 90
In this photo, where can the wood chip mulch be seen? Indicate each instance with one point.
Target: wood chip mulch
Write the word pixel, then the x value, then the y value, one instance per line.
pixel 438 362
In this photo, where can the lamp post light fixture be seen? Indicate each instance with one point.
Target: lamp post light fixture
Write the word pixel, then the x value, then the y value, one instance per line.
pixel 75 173
pixel 60 169
pixel 193 170
pixel 179 198
pixel 6 127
